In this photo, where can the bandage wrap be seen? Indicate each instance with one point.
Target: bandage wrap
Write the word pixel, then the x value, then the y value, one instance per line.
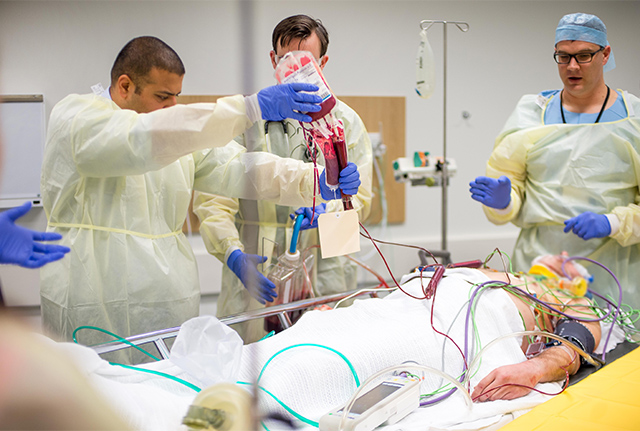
pixel 576 333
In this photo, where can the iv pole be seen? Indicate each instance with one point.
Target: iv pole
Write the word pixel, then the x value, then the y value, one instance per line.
pixel 464 27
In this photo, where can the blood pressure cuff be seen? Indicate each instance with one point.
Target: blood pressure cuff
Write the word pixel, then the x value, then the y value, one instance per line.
pixel 577 333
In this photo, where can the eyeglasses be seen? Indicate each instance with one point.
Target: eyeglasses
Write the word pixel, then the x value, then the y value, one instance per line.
pixel 581 57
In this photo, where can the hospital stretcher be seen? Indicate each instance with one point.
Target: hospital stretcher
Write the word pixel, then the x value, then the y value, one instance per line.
pixel 612 389
pixel 160 338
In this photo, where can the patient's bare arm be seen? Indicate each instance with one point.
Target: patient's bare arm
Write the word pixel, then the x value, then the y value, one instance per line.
pixel 548 366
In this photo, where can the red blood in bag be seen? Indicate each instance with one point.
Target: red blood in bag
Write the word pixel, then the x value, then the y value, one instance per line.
pixel 332 170
pixel 325 107
pixel 340 147
pixel 331 163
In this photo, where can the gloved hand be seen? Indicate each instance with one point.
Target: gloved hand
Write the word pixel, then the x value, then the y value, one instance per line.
pixel 20 246
pixel 282 101
pixel 307 222
pixel 348 183
pixel 245 267
pixel 588 225
pixel 491 192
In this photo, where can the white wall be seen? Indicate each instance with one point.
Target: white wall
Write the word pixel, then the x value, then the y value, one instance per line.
pixel 61 47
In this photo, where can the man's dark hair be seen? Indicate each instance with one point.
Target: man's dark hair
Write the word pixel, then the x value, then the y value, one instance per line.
pixel 300 27
pixel 140 55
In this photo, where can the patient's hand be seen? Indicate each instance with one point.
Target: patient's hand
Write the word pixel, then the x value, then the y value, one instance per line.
pixel 515 377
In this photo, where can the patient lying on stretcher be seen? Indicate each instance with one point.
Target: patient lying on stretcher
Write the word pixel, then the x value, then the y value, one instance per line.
pixel 306 365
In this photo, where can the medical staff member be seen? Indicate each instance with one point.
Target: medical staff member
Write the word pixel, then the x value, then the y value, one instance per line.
pixel 566 167
pixel 244 234
pixel 117 178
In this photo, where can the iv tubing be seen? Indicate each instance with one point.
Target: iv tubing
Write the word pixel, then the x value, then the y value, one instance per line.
pixel 296 232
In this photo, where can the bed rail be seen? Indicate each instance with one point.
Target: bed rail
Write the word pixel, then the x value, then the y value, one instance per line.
pixel 158 338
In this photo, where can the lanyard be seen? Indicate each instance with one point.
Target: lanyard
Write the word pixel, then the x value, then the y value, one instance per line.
pixel 606 99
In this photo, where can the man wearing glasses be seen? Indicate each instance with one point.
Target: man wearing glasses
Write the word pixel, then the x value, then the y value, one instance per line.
pixel 566 166
pixel 247 236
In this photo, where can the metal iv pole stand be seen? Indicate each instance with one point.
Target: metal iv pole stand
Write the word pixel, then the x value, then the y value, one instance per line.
pixel 464 27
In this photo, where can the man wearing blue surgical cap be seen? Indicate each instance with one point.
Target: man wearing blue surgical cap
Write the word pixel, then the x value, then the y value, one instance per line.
pixel 566 166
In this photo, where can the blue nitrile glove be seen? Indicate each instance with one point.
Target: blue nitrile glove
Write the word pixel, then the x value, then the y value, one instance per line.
pixel 350 179
pixel 307 223
pixel 588 225
pixel 21 246
pixel 245 267
pixel 282 101
pixel 348 183
pixel 491 192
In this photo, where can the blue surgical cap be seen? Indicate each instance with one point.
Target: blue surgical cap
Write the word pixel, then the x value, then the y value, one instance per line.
pixel 584 27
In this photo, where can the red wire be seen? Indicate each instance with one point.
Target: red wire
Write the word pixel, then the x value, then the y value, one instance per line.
pixel 400 245
pixel 383 283
pixel 387 265
pixel 504 264
pixel 433 305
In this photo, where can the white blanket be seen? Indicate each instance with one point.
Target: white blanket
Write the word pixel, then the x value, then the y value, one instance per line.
pixel 372 334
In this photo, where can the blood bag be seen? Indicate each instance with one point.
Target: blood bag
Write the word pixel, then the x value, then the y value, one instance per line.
pixel 301 66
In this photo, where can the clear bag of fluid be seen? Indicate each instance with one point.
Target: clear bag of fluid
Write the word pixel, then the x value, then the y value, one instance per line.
pixel 425 68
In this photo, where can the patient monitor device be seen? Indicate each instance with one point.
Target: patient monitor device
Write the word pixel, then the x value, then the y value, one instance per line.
pixel 388 402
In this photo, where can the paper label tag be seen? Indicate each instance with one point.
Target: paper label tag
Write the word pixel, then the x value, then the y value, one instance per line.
pixel 339 233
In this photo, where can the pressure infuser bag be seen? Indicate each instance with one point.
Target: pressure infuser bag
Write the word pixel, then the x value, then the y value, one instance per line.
pixel 291 278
